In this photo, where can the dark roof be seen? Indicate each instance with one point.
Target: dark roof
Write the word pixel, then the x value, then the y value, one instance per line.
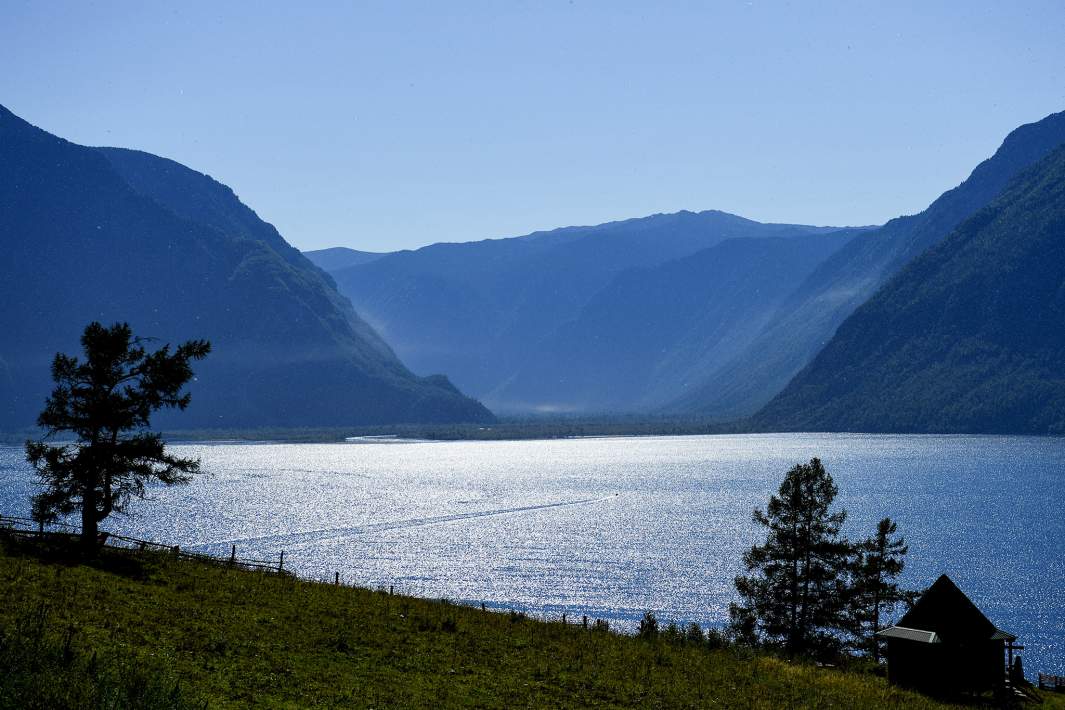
pixel 945 610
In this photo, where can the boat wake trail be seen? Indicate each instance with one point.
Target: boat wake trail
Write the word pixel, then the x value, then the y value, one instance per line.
pixel 326 534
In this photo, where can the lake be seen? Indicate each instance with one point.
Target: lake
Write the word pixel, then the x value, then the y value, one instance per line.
pixel 612 527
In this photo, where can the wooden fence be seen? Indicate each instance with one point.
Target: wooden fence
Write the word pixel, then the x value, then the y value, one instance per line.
pixel 27 528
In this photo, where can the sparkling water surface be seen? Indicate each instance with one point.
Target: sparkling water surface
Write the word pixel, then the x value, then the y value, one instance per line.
pixel 612 527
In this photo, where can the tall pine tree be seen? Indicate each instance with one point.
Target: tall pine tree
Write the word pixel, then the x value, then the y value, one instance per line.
pixel 795 595
pixel 876 564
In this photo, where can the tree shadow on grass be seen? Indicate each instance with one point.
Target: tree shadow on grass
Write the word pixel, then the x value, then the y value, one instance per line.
pixel 68 553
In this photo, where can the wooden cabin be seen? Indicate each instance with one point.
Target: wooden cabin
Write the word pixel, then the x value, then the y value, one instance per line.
pixel 946 645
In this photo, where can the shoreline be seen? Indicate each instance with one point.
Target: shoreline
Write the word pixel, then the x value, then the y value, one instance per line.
pixel 553 430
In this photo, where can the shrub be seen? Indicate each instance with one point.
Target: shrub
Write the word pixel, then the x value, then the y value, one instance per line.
pixel 648 626
pixel 716 638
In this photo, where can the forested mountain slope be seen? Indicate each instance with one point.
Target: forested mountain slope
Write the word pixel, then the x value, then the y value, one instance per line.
pixel 970 337
pixel 850 276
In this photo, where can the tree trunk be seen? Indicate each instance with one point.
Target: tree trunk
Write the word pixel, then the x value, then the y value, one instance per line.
pixel 876 613
pixel 791 643
pixel 805 609
pixel 875 623
pixel 89 522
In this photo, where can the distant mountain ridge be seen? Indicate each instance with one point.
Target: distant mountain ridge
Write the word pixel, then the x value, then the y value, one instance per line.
pixel 110 234
pixel 969 337
pixel 651 331
pixel 651 314
pixel 484 311
pixel 336 258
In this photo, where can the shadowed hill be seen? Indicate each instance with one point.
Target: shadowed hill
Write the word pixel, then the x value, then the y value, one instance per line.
pixel 106 234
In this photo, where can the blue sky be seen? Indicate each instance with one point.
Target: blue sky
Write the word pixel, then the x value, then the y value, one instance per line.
pixel 386 125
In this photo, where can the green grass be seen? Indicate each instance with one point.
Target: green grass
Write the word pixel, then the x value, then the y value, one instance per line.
pixel 179 634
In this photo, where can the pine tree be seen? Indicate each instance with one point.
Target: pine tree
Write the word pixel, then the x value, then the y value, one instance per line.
pixel 796 593
pixel 107 402
pixel 876 564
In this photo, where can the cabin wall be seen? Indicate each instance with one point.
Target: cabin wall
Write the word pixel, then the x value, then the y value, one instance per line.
pixel 946 668
pixel 913 665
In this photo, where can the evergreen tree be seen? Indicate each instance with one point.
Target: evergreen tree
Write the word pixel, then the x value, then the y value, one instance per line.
pixel 106 402
pixel 795 595
pixel 876 564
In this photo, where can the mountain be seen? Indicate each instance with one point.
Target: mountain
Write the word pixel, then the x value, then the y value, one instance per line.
pixel 651 331
pixel 336 258
pixel 970 337
pixel 480 311
pixel 108 234
pixel 852 275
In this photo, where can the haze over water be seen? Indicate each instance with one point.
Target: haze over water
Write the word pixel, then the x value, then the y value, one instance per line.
pixel 613 527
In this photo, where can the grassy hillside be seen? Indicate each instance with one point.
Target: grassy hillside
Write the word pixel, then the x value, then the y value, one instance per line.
pixel 151 632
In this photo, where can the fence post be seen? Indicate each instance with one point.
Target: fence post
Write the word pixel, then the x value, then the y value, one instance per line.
pixel 281 563
pixel 336 582
pixel 584 621
pixel 390 588
pixel 233 556
pixel 563 617
pixel 482 606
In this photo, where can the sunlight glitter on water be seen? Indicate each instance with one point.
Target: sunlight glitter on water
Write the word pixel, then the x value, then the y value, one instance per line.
pixel 615 526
